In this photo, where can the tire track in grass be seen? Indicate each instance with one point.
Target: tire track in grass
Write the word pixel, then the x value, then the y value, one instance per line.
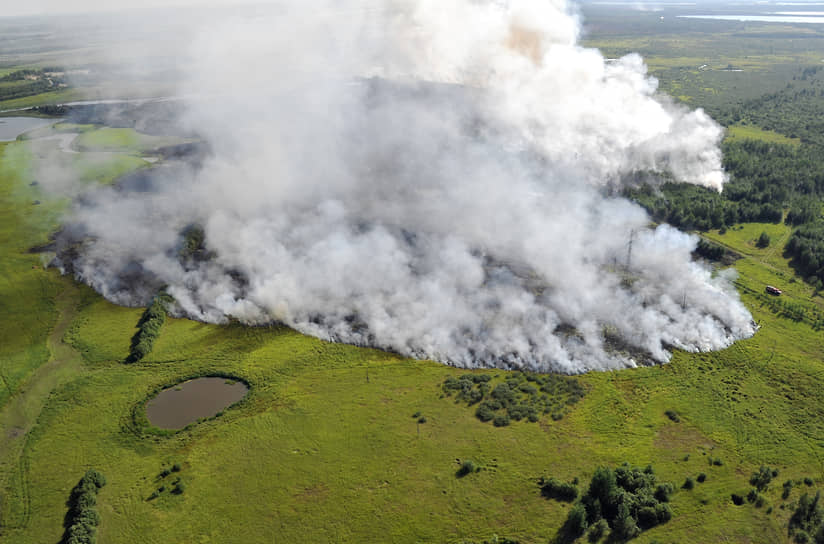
pixel 22 412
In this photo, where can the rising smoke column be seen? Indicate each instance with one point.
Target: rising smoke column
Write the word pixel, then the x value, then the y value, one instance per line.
pixel 435 178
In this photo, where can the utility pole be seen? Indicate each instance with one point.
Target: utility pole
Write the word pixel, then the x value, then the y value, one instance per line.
pixel 629 248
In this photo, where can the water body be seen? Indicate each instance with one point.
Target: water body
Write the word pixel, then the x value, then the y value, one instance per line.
pixel 760 18
pixel 185 403
pixel 12 127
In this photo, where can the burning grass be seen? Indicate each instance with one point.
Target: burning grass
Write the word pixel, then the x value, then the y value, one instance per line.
pixel 336 417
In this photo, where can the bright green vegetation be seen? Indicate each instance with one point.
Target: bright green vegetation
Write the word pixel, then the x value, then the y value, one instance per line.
pixel 515 396
pixel 48 97
pixel 315 439
pixel 736 133
pixel 27 291
pixel 82 519
pixel 121 139
pixel 325 432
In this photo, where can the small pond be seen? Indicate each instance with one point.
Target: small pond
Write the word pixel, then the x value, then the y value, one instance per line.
pixel 184 403
pixel 12 127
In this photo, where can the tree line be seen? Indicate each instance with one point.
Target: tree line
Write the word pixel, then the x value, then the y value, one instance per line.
pixel 82 518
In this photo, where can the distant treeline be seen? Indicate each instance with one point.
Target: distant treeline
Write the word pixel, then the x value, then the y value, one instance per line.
pixel 29 82
pixel 82 518
pixel 768 181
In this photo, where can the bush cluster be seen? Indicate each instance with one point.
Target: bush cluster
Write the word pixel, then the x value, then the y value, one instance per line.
pixel 807 522
pixel 148 328
pixel 468 466
pixel 82 518
pixel 762 478
pixel 629 500
pixel 552 488
pixel 177 485
pixel 521 395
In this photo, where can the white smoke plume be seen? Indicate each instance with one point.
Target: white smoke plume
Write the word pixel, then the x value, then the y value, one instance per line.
pixel 435 178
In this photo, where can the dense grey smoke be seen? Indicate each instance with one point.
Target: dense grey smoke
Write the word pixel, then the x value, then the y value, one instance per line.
pixel 435 178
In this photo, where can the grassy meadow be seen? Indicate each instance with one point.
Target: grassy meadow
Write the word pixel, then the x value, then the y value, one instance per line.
pixel 325 448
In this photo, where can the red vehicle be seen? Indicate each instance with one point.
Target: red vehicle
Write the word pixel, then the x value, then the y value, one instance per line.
pixel 773 290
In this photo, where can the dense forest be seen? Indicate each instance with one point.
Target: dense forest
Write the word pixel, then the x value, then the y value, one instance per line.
pixel 769 181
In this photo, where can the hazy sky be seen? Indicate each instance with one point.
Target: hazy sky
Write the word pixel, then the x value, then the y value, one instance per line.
pixel 41 7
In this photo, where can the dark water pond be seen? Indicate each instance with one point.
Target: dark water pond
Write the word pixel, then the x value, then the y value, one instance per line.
pixel 12 127
pixel 186 402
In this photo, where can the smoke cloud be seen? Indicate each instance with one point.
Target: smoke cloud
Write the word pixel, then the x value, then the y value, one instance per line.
pixel 441 179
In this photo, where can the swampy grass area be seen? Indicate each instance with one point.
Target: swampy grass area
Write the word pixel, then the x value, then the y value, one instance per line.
pixel 340 443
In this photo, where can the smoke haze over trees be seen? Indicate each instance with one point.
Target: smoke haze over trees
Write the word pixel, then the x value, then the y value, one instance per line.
pixel 438 179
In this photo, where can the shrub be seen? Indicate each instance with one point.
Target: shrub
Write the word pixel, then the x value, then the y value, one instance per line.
pixel 689 483
pixel 558 490
pixel 663 492
pixel 808 481
pixel 763 240
pixel 808 518
pixel 597 530
pixel 701 478
pixel 787 488
pixel 673 415
pixel 421 419
pixel 148 328
pixel 501 420
pixel 484 413
pixel 468 466
pixel 737 499
pixel 762 478
pixel 176 467
pixel 576 522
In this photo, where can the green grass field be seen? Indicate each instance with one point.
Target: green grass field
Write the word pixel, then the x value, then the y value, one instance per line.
pixel 121 139
pixel 325 448
pixel 749 132
pixel 318 452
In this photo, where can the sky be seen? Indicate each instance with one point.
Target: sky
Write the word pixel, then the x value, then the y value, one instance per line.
pixel 45 7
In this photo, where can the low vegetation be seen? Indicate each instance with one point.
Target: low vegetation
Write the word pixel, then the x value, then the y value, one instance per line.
pixel 520 395
pixel 552 488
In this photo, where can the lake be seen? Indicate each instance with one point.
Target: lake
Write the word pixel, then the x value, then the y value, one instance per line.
pixel 12 127
pixel 184 403
pixel 760 18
